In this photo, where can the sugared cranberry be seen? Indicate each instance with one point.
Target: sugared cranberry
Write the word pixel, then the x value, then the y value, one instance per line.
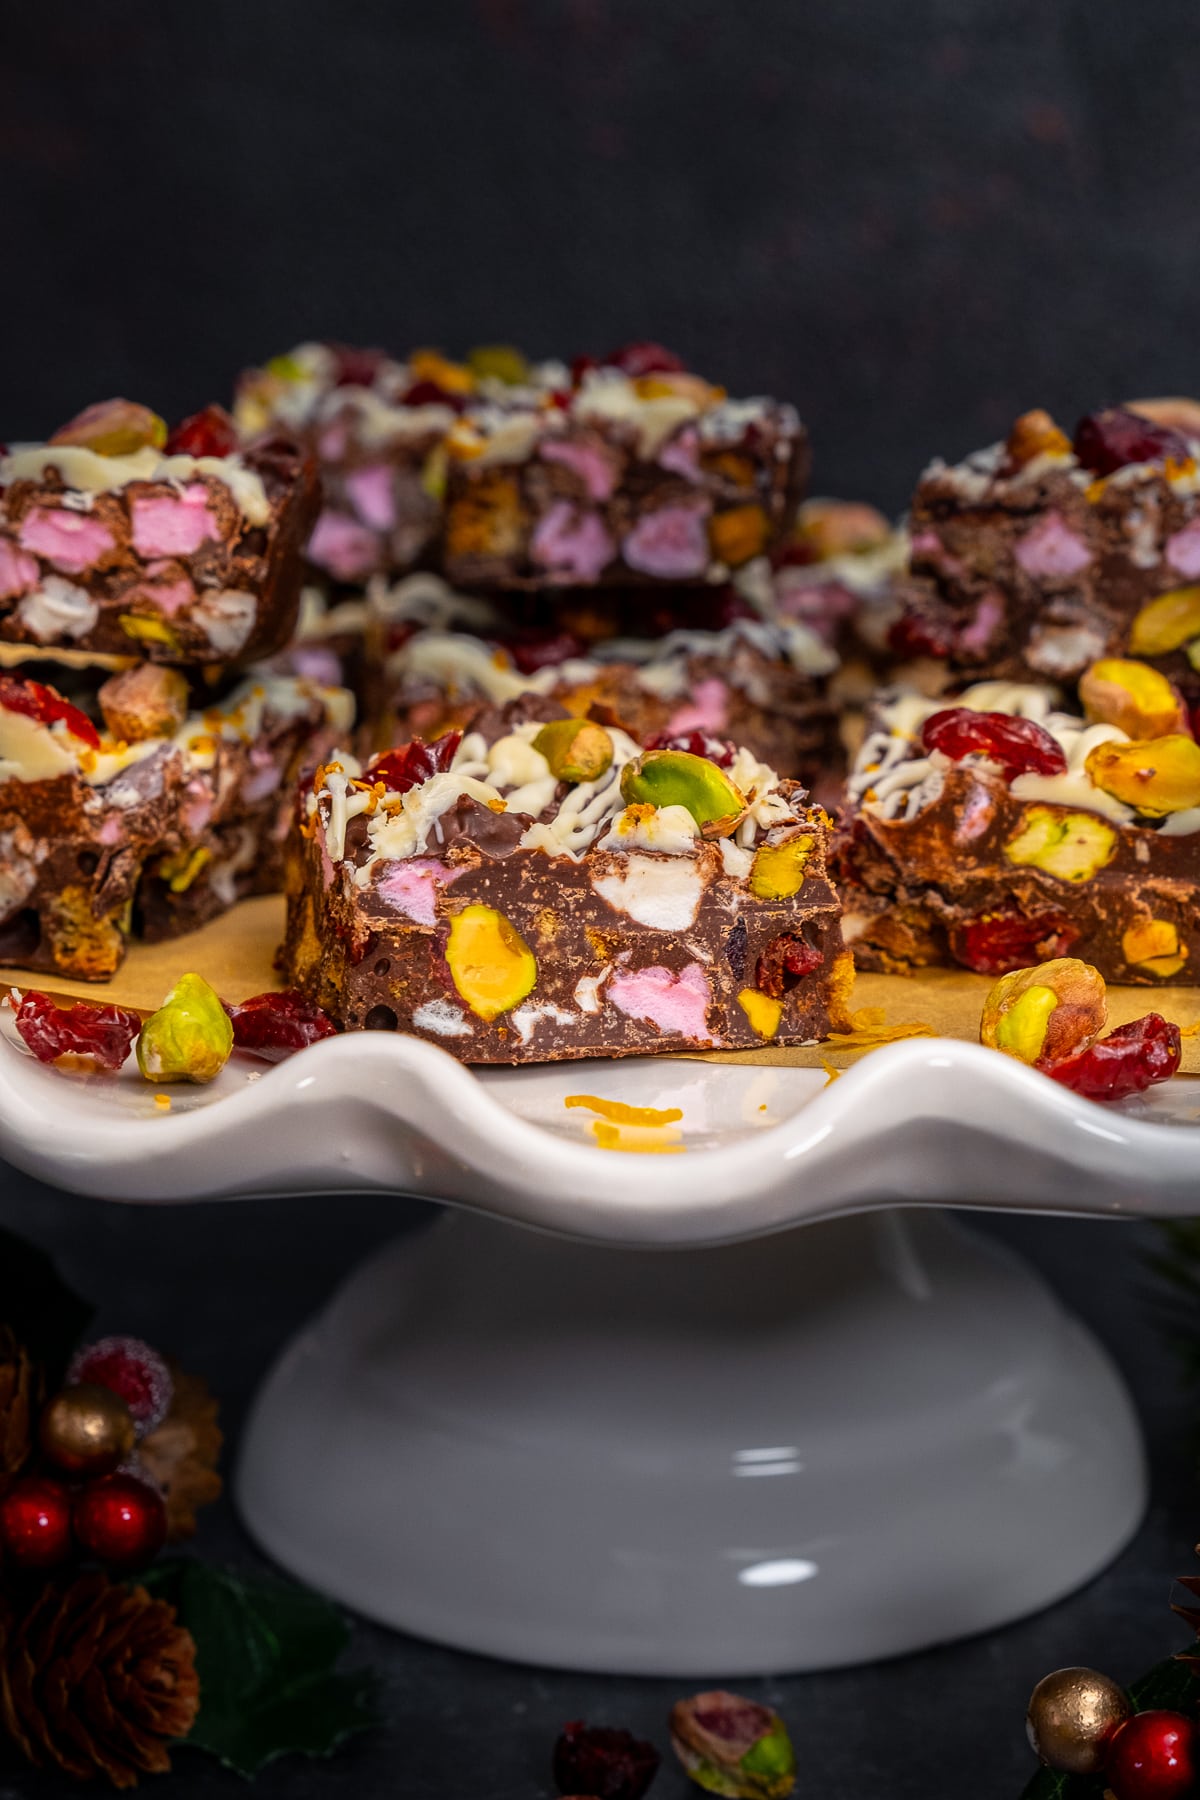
pixel 534 650
pixel 786 960
pixel 428 393
pixel 1127 1061
pixel 35 700
pixel 274 1026
pixel 97 1035
pixel 602 1761
pixel 1020 746
pixel 356 367
pixel 132 1368
pixel 645 358
pixel 996 945
pixel 209 432
pixel 696 743
pixel 414 763
pixel 1109 440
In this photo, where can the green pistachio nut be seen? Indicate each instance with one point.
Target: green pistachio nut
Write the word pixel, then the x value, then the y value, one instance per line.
pixel 732 1746
pixel 677 778
pixel 576 749
pixel 498 362
pixel 189 1038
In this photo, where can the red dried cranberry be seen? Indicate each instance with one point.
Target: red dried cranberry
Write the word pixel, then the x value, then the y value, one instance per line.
pixel 209 432
pixel 534 650
pixel 414 763
pixel 428 393
pixel 786 960
pixel 1128 1060
pixel 100 1035
pixel 996 945
pixel 604 1762
pixel 35 700
pixel 645 358
pixel 913 635
pixel 275 1025
pixel 696 743
pixel 581 366
pixel 355 367
pixel 1110 439
pixel 1020 746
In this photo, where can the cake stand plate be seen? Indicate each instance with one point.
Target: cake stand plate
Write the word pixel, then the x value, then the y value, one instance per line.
pixel 728 1409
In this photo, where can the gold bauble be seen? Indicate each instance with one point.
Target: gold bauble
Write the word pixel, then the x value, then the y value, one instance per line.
pixel 1072 1717
pixel 86 1430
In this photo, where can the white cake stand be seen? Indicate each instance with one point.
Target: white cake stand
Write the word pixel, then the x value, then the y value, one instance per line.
pixel 739 1413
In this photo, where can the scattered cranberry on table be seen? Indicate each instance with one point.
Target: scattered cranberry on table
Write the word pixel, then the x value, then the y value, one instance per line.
pixel 100 1035
pixel 1127 1061
pixel 275 1026
pixel 604 1762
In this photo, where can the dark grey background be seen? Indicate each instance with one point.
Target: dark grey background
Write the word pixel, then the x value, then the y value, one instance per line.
pixel 224 1285
pixel 913 220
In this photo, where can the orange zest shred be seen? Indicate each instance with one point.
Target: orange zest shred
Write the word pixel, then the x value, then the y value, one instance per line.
pixel 620 1114
pixel 631 1138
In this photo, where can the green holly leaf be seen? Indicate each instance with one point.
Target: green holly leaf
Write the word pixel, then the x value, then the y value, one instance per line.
pixel 266 1655
pixel 1170 1684
pixel 36 1303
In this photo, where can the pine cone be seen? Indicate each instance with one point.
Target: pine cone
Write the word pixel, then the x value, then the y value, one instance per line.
pixel 96 1678
pixel 181 1455
pixel 21 1392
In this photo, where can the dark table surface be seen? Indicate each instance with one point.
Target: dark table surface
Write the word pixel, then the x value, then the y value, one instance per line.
pixel 223 1285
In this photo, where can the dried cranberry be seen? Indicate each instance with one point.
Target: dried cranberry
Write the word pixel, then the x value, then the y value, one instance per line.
pixel 428 393
pixel 645 358
pixel 1020 746
pixel 1110 439
pixel 411 764
pixel 1128 1060
pixel 275 1025
pixel 355 367
pixel 100 1035
pixel 913 635
pixel 1006 941
pixel 581 366
pixel 35 700
pixel 209 432
pixel 604 1762
pixel 786 960
pixel 534 650
pixel 696 743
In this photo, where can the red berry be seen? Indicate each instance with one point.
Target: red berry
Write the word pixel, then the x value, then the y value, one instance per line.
pixel 356 367
pixel 100 1035
pixel 428 393
pixel 644 358
pixel 913 635
pixel 1000 942
pixel 131 1368
pixel 1127 1061
pixel 786 960
pixel 275 1025
pixel 35 1522
pixel 696 743
pixel 121 1520
pixel 1110 439
pixel 1020 746
pixel 604 1762
pixel 1153 1757
pixel 209 432
pixel 581 366
pixel 534 650
pixel 414 763
pixel 33 699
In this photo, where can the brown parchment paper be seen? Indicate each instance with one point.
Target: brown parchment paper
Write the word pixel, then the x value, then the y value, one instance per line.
pixel 235 954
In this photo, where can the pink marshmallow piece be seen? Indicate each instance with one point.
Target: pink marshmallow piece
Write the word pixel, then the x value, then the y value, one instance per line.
pixel 71 541
pixel 677 1004
pixel 708 709
pixel 371 495
pixel 594 468
pixel 681 454
pixel 169 597
pixel 173 524
pixel 574 544
pixel 1183 549
pixel 412 887
pixel 18 572
pixel 344 548
pixel 671 543
pixel 978 634
pixel 1051 548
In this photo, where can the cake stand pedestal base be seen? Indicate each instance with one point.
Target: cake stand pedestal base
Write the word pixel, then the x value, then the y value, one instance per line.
pixel 819 1448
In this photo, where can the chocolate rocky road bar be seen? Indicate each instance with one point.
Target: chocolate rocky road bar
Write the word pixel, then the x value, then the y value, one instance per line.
pixel 512 914
pixel 516 475
pixel 112 542
pixel 144 815
pixel 1034 557
pixel 950 861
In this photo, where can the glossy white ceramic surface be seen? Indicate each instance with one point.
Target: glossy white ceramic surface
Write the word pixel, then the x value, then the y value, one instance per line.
pixel 833 1445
